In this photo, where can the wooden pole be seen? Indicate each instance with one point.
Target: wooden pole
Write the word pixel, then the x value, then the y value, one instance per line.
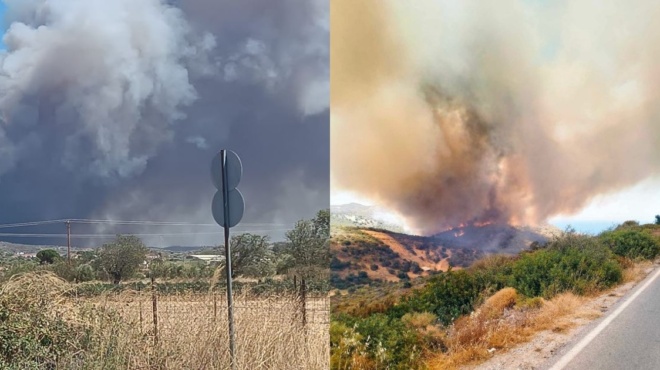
pixel 68 242
pixel 154 300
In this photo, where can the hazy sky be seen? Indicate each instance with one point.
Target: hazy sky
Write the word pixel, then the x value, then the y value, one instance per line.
pixel 114 110
pixel 640 203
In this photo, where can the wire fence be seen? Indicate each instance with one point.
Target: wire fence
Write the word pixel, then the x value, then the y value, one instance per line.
pixel 296 322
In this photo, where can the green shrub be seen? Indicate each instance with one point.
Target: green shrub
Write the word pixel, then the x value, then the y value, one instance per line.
pixel 447 296
pixel 391 343
pixel 31 335
pixel 631 243
pixel 344 344
pixel 494 272
pixel 64 270
pixel 84 273
pixel 570 263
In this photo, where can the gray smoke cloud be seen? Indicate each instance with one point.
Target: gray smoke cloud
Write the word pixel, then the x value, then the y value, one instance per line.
pixel 114 109
pixel 478 112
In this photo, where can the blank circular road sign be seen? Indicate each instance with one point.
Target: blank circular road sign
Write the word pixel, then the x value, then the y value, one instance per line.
pixel 236 208
pixel 234 170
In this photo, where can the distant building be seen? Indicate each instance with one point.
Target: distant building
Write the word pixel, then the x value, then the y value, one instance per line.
pixel 208 257
pixel 26 255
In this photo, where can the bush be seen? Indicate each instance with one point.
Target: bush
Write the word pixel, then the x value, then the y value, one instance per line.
pixel 31 335
pixel 336 264
pixel 64 270
pixel 392 343
pixel 631 243
pixel 570 263
pixel 85 272
pixel 447 296
pixel 48 256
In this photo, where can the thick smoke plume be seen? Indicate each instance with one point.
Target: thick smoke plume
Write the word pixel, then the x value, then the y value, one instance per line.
pixel 114 80
pixel 114 109
pixel 474 112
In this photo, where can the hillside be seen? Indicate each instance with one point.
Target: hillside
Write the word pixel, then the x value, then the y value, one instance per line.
pixel 27 248
pixel 361 256
pixel 493 238
pixel 358 215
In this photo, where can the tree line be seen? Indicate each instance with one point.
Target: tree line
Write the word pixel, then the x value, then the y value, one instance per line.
pixel 305 252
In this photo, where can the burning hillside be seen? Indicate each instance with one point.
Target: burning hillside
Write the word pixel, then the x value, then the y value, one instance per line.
pixel 494 238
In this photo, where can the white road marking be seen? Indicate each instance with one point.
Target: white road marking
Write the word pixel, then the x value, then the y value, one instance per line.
pixel 586 340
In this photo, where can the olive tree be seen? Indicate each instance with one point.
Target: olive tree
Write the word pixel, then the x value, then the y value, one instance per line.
pixel 251 255
pixel 308 243
pixel 121 258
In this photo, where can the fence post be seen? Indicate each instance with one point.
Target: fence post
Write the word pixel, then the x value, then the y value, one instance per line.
pixel 140 306
pixel 215 306
pixel 303 298
pixel 154 300
pixel 295 283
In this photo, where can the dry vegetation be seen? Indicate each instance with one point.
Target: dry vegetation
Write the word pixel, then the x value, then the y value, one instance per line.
pixel 504 321
pixel 363 256
pixel 43 327
pixel 462 317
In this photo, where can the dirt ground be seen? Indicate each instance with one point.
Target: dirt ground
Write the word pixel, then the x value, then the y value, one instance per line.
pixel 535 353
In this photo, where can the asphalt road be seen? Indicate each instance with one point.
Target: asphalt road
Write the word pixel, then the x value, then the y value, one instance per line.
pixel 627 337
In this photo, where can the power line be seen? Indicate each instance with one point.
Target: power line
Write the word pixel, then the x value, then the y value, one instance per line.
pixel 168 223
pixel 91 236
pixel 33 223
pixel 165 223
pixel 132 222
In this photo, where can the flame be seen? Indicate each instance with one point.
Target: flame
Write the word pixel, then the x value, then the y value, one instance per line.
pixel 481 224
pixel 459 233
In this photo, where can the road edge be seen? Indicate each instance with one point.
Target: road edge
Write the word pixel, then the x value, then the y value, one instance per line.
pixel 571 349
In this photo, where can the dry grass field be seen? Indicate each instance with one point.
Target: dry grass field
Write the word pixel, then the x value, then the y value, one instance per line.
pixel 187 331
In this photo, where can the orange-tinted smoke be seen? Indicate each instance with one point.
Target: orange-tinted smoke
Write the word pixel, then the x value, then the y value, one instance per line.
pixel 453 114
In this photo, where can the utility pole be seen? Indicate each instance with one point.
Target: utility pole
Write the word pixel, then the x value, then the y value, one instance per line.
pixel 68 242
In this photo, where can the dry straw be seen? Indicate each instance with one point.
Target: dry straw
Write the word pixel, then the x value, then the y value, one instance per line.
pixel 117 330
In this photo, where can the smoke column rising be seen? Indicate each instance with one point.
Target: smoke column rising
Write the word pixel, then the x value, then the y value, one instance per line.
pixel 472 112
pixel 114 109
pixel 114 79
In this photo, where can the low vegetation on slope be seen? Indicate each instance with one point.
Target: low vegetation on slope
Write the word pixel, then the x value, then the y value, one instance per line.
pixel 367 256
pixel 453 318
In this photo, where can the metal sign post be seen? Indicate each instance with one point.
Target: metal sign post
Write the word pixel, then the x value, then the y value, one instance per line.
pixel 227 208
pixel 230 294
